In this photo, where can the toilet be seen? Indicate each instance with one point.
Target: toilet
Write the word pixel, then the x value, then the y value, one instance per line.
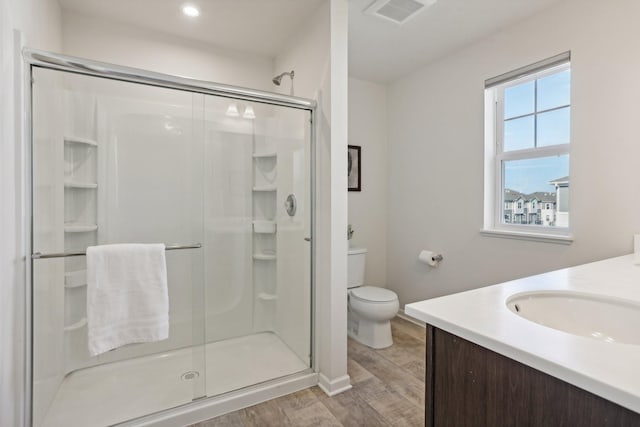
pixel 370 309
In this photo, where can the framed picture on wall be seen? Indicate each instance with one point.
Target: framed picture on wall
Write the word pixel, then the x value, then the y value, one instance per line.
pixel 354 165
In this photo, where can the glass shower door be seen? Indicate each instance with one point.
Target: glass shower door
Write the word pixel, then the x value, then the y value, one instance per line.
pixel 114 162
pixel 227 182
pixel 257 232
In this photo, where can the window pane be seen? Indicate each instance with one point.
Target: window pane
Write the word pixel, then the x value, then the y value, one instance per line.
pixel 518 134
pixel 536 191
pixel 553 127
pixel 554 90
pixel 519 100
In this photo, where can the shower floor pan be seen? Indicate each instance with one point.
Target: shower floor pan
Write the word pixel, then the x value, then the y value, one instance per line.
pixel 120 391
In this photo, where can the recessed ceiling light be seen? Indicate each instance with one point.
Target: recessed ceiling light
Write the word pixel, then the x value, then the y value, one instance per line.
pixel 190 10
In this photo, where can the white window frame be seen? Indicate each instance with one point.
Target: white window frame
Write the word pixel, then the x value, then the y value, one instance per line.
pixel 494 225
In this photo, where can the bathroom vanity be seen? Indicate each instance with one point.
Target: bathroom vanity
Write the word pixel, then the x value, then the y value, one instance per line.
pixel 488 364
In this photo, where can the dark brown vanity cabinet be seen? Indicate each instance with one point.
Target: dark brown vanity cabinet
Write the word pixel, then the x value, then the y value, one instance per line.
pixel 469 385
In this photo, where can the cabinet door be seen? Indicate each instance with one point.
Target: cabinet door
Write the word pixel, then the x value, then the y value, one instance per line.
pixel 469 385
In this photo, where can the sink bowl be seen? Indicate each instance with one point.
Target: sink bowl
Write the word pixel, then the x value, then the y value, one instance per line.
pixel 593 316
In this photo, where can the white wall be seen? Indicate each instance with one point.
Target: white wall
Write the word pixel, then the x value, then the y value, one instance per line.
pixel 122 44
pixel 318 54
pixel 307 53
pixel 39 23
pixel 368 208
pixel 436 156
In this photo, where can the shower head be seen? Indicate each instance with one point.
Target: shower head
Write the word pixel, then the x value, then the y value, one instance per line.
pixel 278 79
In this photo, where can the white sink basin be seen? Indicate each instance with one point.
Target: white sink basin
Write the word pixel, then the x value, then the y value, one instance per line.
pixel 601 318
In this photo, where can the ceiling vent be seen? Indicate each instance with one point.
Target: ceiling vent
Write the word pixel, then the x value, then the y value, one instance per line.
pixel 398 11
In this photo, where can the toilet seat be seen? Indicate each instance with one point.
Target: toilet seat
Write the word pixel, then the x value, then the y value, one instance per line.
pixel 373 294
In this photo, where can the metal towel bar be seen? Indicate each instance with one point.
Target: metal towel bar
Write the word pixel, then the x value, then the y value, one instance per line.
pixel 38 255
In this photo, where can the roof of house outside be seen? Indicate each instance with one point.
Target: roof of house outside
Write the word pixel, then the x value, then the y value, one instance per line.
pixel 543 196
pixel 512 195
pixel 563 180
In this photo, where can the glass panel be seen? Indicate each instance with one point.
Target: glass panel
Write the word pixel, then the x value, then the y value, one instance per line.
pixel 554 90
pixel 519 100
pixel 519 134
pixel 114 162
pixel 536 191
pixel 258 296
pixel 554 127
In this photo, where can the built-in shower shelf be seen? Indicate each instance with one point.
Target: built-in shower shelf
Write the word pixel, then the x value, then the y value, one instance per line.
pixel 75 279
pixel 264 155
pixel 267 297
pixel 265 188
pixel 264 257
pixel 78 140
pixel 79 228
pixel 77 184
pixel 75 326
pixel 263 226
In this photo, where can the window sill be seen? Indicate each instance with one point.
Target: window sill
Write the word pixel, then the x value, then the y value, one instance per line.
pixel 533 237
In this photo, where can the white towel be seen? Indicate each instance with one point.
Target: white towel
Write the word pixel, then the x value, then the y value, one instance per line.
pixel 127 295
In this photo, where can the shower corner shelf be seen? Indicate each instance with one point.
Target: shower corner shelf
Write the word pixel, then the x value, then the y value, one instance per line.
pixel 264 257
pixel 75 279
pixel 75 326
pixel 267 297
pixel 265 155
pixel 264 227
pixel 79 228
pixel 265 188
pixel 77 184
pixel 78 140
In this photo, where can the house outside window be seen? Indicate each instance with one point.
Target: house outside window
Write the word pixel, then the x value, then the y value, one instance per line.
pixel 527 141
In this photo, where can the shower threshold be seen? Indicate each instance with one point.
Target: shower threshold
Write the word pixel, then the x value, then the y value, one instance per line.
pixel 116 392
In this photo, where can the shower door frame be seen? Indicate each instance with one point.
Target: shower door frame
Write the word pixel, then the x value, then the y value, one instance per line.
pixel 42 59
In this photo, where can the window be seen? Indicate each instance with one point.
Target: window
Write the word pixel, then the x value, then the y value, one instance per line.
pixel 527 140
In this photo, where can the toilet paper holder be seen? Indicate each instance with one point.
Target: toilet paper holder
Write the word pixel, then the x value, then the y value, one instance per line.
pixel 430 258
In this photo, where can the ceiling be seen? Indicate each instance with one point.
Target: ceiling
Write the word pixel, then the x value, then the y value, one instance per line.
pixel 379 50
pixel 383 51
pixel 254 26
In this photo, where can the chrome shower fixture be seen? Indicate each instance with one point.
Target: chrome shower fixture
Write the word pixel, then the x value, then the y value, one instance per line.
pixel 278 79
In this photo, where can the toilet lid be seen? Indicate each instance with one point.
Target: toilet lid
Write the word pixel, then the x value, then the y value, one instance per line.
pixel 374 294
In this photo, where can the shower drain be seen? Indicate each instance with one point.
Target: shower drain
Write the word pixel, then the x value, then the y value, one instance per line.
pixel 189 375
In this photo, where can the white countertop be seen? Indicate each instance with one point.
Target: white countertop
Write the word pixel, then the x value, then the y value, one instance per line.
pixel 609 370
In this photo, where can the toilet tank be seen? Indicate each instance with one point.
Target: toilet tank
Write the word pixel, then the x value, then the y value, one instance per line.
pixel 356 259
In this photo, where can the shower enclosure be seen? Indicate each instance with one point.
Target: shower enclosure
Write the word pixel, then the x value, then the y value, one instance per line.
pixel 222 176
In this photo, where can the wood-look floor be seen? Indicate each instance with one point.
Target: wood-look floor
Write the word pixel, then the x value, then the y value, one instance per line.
pixel 388 390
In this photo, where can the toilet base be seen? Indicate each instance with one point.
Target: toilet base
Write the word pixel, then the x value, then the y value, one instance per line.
pixel 374 334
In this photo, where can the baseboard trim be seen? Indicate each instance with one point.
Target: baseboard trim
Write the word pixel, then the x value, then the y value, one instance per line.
pixel 336 386
pixel 401 314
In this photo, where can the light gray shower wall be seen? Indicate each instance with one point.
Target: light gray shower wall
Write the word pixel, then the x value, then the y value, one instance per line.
pixel 94 38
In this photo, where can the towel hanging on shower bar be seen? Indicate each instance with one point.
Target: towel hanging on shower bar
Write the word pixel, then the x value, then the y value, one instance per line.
pixel 127 295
